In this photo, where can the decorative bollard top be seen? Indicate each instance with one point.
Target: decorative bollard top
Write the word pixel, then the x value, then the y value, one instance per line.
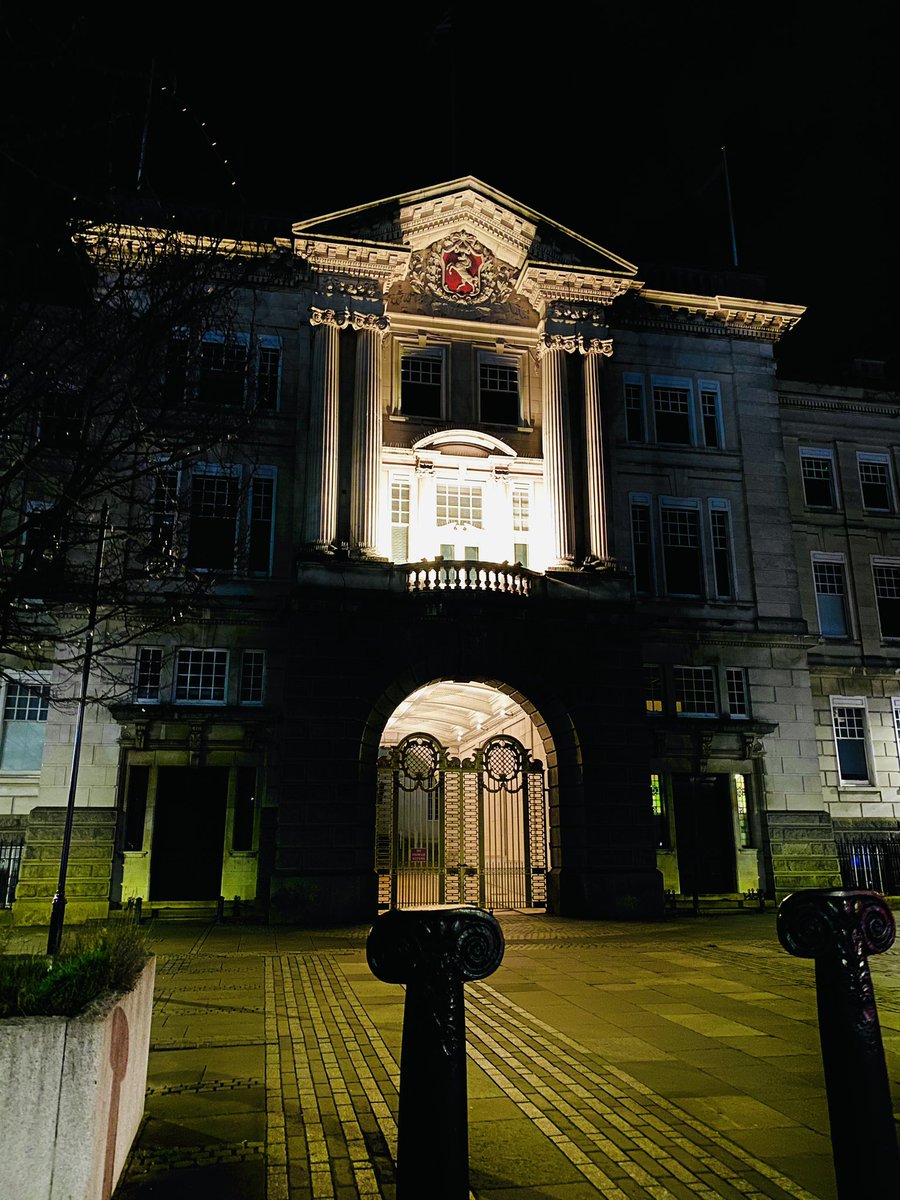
pixel 823 922
pixel 406 945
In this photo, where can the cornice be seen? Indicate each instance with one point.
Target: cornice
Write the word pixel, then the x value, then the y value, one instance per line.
pixel 377 261
pixel 543 284
pixel 845 405
pixel 508 234
pixel 730 315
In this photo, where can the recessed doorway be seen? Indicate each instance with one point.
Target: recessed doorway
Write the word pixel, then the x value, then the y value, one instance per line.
pixel 188 833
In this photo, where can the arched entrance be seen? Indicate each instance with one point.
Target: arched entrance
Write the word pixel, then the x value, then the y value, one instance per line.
pixel 461 812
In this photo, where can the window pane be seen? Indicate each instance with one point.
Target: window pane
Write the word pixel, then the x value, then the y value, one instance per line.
pixel 660 815
pixel 887 592
pixel 459 504
pixel 653 688
pixel 253 671
pixel 498 391
pixel 695 693
pixel 709 408
pixel 643 555
pixel 223 369
pixel 520 510
pixel 673 420
pixel 136 808
pixel 201 675
pixel 520 553
pixel 268 377
pixel 634 412
pixel 147 674
pixel 420 385
pixel 737 691
pixel 24 727
pixel 850 736
pixel 740 788
pixel 830 602
pixel 213 522
pixel 818 484
pixel 681 551
pixel 721 539
pixel 262 499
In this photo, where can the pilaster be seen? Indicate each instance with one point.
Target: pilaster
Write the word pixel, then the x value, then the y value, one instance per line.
pixel 366 463
pixel 322 476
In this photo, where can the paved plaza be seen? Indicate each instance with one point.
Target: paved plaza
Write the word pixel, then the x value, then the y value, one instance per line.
pixel 622 1061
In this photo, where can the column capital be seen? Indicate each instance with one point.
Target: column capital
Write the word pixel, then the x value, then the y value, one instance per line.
pixel 370 322
pixel 597 346
pixel 336 317
pixel 568 342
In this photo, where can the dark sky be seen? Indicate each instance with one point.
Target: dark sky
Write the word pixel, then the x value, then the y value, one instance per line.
pixel 608 118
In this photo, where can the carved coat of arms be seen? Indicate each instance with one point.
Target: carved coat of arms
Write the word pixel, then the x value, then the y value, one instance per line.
pixel 461 271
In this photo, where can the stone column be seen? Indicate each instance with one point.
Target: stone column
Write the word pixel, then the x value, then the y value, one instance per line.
pixel 322 470
pixel 593 350
pixel 366 465
pixel 557 456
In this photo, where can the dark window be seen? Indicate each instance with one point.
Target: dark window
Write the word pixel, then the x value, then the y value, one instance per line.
pixel 421 385
pixel 222 371
pixel 875 482
pixel 201 675
pixel 147 674
pixel 244 808
pixel 634 412
pixel 722 560
pixel 709 410
pixel 262 498
pixel 681 551
pixel 672 409
pixel 736 679
pixel 213 522
pixel 887 592
pixel 653 688
pixel 498 392
pixel 850 737
pixel 61 421
pixel 164 510
pixel 268 375
pixel 695 692
pixel 831 599
pixel 177 365
pixel 136 808
pixel 253 676
pixel 641 547
pixel 818 480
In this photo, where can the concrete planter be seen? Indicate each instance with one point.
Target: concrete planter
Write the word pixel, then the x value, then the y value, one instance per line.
pixel 72 1096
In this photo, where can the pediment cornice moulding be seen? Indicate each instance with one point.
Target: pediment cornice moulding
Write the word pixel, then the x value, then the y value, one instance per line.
pixel 343 258
pixel 505 233
pixel 749 317
pixel 542 285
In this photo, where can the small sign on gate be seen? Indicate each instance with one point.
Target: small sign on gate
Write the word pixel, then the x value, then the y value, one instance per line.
pixel 418 854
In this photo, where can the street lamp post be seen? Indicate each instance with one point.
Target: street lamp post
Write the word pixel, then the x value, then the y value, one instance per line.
pixel 58 909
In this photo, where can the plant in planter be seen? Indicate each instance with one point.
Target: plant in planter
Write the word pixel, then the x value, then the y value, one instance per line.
pixel 74 1041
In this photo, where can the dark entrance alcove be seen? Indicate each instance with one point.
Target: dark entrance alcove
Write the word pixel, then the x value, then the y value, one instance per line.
pixel 704 831
pixel 188 833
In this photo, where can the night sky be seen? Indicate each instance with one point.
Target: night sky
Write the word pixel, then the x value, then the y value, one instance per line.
pixel 610 120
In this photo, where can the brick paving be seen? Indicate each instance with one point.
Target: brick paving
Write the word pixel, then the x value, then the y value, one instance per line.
pixel 605 1060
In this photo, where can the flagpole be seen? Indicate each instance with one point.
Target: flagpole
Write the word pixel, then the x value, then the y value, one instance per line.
pixel 734 253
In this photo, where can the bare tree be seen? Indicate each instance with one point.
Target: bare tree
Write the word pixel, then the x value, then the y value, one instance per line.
pixel 110 401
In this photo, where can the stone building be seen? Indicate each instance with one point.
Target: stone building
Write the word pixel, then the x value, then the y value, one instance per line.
pixel 520 599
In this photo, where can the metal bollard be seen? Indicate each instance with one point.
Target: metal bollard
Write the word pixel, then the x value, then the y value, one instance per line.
pixel 434 951
pixel 839 929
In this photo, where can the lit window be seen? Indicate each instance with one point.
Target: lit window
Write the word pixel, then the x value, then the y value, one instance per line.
pixel 740 791
pixel 659 809
pixel 831 597
pixel 736 681
pixel 875 482
pixel 498 392
pixel 201 676
pixel 520 506
pixel 634 409
pixel 711 415
pixel 253 676
pixel 422 384
pixel 887 594
pixel 695 692
pixel 681 551
pixel 459 504
pixel 25 712
pixel 147 674
pixel 817 468
pixel 849 718
pixel 653 688
pixel 400 494
pixel 672 413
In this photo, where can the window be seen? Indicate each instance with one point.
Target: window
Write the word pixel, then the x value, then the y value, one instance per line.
pixel 849 719
pixel 147 674
pixel 736 683
pixel 831 595
pixel 459 504
pixel 25 709
pixel 253 677
pixel 723 559
pixel 213 528
pixel 422 384
pixel 653 688
pixel 634 409
pixel 710 415
pixel 660 811
pixel 672 414
pixel 695 692
pixel 817 469
pixel 400 520
pixel 887 595
pixel 268 372
pixel 222 369
pixel 895 709
pixel 875 482
pixel 261 522
pixel 642 549
pixel 681 550
pixel 201 676
pixel 135 807
pixel 740 795
pixel 498 390
pixel 164 509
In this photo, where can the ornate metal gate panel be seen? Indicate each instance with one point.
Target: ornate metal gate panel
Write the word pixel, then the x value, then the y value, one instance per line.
pixel 460 832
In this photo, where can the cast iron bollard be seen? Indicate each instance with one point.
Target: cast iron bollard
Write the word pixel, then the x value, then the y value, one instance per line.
pixel 839 929
pixel 434 951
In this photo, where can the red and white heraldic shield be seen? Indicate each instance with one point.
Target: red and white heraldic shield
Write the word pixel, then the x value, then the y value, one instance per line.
pixel 461 272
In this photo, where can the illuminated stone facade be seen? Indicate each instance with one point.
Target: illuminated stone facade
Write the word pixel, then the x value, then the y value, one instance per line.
pixel 492 452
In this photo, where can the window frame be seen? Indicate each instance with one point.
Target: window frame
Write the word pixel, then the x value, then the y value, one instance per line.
pixel 515 362
pixel 421 348
pixel 267 473
pixel 181 650
pixel 641 500
pixel 820 453
pixel 267 341
pixel 32 682
pixel 217 337
pixel 710 386
pixel 853 702
pixel 707 671
pixel 137 697
pixel 715 505
pixel 676 503
pixel 674 383
pixel 826 557
pixel 865 456
pixel 631 379
pixel 739 674
pixel 243 674
pixel 882 560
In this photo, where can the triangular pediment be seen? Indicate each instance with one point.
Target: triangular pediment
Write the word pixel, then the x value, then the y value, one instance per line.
pixel 513 232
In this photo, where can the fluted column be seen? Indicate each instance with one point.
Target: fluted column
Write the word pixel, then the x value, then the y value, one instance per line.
pixel 365 487
pixel 593 351
pixel 322 472
pixel 557 458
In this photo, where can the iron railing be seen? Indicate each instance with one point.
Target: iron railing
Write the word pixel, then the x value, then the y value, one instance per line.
pixel 871 863
pixel 10 859
pixel 447 575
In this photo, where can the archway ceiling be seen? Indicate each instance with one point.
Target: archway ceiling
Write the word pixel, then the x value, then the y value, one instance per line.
pixel 446 708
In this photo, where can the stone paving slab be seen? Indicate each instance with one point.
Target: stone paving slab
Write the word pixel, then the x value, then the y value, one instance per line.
pixel 627 1062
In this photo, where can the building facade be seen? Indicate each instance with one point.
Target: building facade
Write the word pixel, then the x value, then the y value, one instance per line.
pixel 533 587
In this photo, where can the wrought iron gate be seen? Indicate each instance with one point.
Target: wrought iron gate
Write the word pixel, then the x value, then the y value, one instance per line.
pixel 451 832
